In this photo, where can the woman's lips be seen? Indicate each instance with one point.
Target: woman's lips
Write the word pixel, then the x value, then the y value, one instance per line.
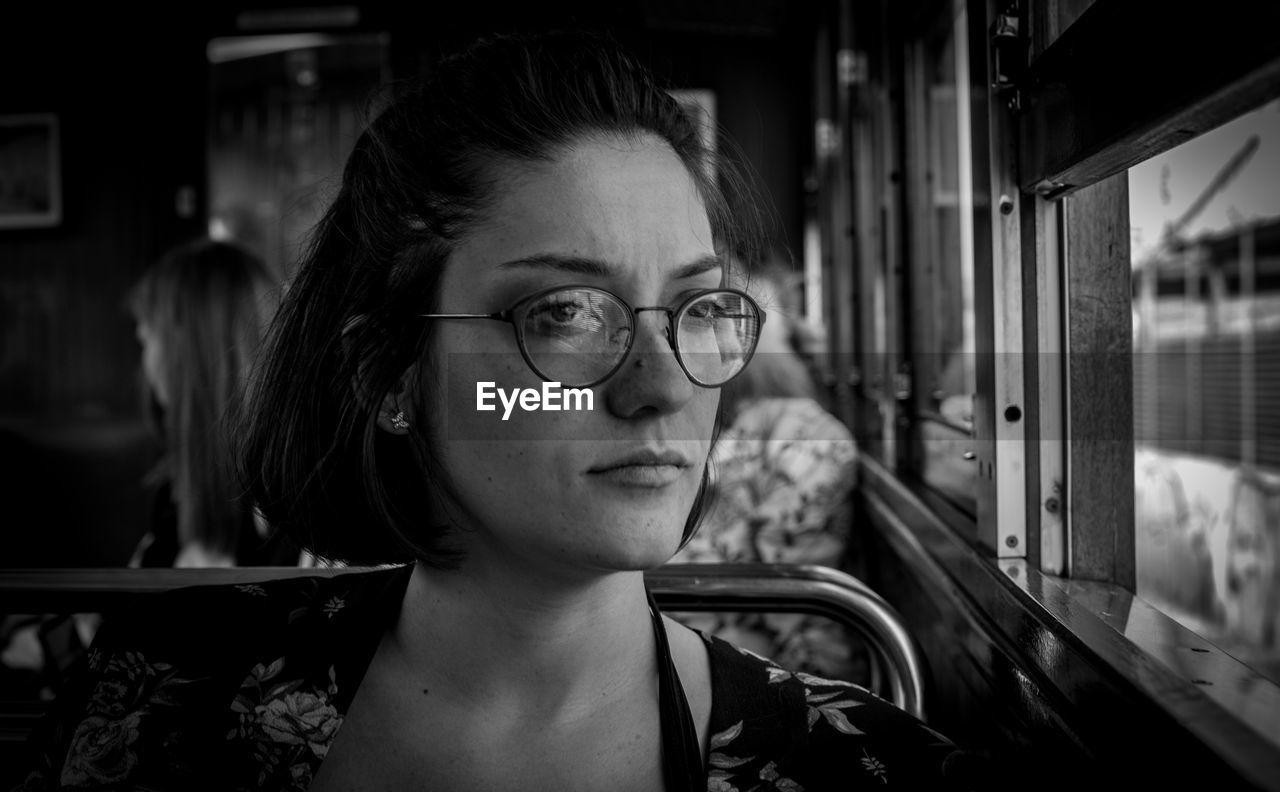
pixel 647 467
pixel 650 476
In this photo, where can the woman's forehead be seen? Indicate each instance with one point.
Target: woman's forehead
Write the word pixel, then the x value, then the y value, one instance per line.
pixel 625 203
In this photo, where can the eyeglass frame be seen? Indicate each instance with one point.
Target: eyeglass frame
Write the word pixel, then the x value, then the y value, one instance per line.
pixel 508 315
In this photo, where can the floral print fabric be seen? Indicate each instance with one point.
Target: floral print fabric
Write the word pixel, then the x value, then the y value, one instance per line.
pixel 791 731
pixel 226 687
pixel 256 699
pixel 288 724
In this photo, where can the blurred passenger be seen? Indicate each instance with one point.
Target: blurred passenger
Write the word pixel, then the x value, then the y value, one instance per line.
pixel 200 314
pixel 783 470
pixel 1245 555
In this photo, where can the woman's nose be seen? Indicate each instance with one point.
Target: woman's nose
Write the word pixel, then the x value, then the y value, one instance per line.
pixel 651 378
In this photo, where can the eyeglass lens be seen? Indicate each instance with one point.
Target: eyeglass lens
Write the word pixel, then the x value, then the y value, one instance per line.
pixel 578 336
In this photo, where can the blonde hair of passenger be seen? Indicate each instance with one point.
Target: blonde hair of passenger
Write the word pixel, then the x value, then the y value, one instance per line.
pixel 206 304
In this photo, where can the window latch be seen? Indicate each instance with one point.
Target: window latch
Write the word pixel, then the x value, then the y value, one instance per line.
pixel 1008 57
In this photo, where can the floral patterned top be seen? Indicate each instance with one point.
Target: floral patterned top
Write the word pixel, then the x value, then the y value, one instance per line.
pixel 252 695
pixel 782 476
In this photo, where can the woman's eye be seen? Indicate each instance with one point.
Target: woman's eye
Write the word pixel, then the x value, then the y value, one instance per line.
pixel 564 312
pixel 561 317
pixel 709 309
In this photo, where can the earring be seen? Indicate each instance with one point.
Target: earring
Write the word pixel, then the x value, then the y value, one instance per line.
pixel 399 422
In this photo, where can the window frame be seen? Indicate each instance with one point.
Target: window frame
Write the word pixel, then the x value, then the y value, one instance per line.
pixel 1058 144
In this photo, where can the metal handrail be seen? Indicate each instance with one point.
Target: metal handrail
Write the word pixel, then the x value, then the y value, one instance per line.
pixel 785 588
pixel 802 588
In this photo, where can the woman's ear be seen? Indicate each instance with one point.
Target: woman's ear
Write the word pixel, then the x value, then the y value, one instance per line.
pixel 393 410
pixel 393 413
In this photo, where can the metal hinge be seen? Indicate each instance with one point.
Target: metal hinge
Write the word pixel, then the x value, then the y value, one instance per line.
pixel 1008 56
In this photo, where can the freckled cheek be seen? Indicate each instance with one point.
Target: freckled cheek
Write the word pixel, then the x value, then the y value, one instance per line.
pixel 528 446
pixel 517 480
pixel 703 415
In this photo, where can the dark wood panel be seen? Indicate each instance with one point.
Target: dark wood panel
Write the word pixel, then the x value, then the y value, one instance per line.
pixel 1099 338
pixel 130 105
pixel 74 491
pixel 1132 78
pixel 1048 25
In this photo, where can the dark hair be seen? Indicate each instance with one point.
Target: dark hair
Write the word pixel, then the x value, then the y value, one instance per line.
pixel 418 179
pixel 208 304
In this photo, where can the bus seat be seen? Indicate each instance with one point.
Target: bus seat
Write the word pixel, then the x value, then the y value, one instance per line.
pixel 804 588
pixel 781 588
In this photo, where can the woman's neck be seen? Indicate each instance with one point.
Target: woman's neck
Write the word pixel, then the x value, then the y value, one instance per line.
pixel 512 640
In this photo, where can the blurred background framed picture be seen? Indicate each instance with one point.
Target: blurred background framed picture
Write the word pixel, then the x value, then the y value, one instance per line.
pixel 30 182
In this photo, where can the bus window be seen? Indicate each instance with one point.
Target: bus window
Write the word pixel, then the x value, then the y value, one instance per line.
pixel 1206 306
pixel 942 295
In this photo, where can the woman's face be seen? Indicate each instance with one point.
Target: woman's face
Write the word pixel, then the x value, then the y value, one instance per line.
pixel 606 489
pixel 153 361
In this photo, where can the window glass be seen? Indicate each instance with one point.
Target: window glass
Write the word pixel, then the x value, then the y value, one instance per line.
pixel 286 110
pixel 1206 322
pixel 942 313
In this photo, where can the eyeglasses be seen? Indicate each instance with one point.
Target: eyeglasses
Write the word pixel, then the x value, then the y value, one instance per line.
pixel 579 336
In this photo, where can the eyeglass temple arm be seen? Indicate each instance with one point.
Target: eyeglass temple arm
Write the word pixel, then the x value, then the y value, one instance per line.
pixel 501 316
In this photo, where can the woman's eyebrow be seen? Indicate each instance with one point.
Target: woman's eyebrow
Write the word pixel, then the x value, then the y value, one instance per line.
pixel 577 265
pixel 698 266
pixel 580 265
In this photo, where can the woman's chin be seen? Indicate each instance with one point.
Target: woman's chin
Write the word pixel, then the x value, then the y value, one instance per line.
pixel 637 553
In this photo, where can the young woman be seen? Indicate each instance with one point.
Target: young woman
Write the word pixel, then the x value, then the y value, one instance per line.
pixel 200 312
pixel 534 219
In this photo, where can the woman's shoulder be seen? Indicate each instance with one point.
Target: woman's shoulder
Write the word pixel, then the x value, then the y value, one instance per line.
pixel 787 730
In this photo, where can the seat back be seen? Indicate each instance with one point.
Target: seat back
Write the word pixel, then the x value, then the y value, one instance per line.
pixel 782 588
pixel 804 588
